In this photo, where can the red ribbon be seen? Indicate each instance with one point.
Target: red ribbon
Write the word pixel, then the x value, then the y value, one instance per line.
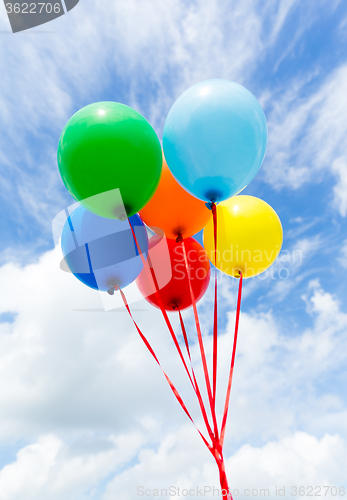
pixel 173 388
pixel 201 345
pixel 215 314
pixel 227 399
pixel 160 302
pixel 217 453
pixel 167 321
pixel 198 393
pixel 221 466
pixel 217 442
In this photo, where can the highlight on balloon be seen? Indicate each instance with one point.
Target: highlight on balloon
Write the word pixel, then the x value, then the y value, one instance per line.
pixel 139 205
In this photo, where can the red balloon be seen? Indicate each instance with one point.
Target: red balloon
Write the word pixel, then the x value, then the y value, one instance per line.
pixel 167 262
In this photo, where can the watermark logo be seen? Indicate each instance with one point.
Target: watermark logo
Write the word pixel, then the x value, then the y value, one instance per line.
pixel 102 257
pixel 24 15
pixel 100 253
pixel 211 491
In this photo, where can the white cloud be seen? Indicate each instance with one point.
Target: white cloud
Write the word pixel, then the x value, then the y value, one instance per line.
pixel 339 168
pixel 343 257
pixel 72 377
pixel 29 472
pixel 68 370
pixel 62 338
pixel 277 384
pixel 307 135
pixel 53 469
pixel 296 460
pixel 141 53
pixel 292 267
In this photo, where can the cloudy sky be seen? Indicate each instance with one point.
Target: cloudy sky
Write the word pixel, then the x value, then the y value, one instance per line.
pixel 84 411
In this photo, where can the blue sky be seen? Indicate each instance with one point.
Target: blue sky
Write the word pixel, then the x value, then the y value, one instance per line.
pixel 85 412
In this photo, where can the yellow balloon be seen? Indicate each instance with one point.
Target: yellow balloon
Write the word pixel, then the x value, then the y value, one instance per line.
pixel 249 236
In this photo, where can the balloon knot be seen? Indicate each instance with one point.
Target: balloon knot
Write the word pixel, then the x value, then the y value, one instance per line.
pixel 209 204
pixel 179 238
pixel 112 289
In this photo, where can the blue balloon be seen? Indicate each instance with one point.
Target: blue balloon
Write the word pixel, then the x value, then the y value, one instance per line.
pixel 102 252
pixel 215 138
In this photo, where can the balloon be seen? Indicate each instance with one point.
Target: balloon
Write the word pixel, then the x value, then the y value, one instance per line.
pixel 108 146
pixel 215 138
pixel 174 210
pixel 102 252
pixel 176 292
pixel 249 236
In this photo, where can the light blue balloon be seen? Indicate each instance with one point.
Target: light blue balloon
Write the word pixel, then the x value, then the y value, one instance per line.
pixel 102 252
pixel 215 138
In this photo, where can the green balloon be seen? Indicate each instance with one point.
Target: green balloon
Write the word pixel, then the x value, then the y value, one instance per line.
pixel 108 146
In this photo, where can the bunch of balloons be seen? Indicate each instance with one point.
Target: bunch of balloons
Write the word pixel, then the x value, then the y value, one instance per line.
pixel 112 163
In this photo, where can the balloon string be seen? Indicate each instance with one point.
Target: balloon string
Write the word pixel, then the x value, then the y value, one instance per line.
pixel 226 495
pixel 202 350
pixel 198 393
pixel 173 388
pixel 221 466
pixel 216 448
pixel 164 313
pixel 219 459
pixel 227 399
pixel 215 314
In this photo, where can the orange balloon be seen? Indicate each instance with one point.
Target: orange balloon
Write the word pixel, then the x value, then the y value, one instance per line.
pixel 174 210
